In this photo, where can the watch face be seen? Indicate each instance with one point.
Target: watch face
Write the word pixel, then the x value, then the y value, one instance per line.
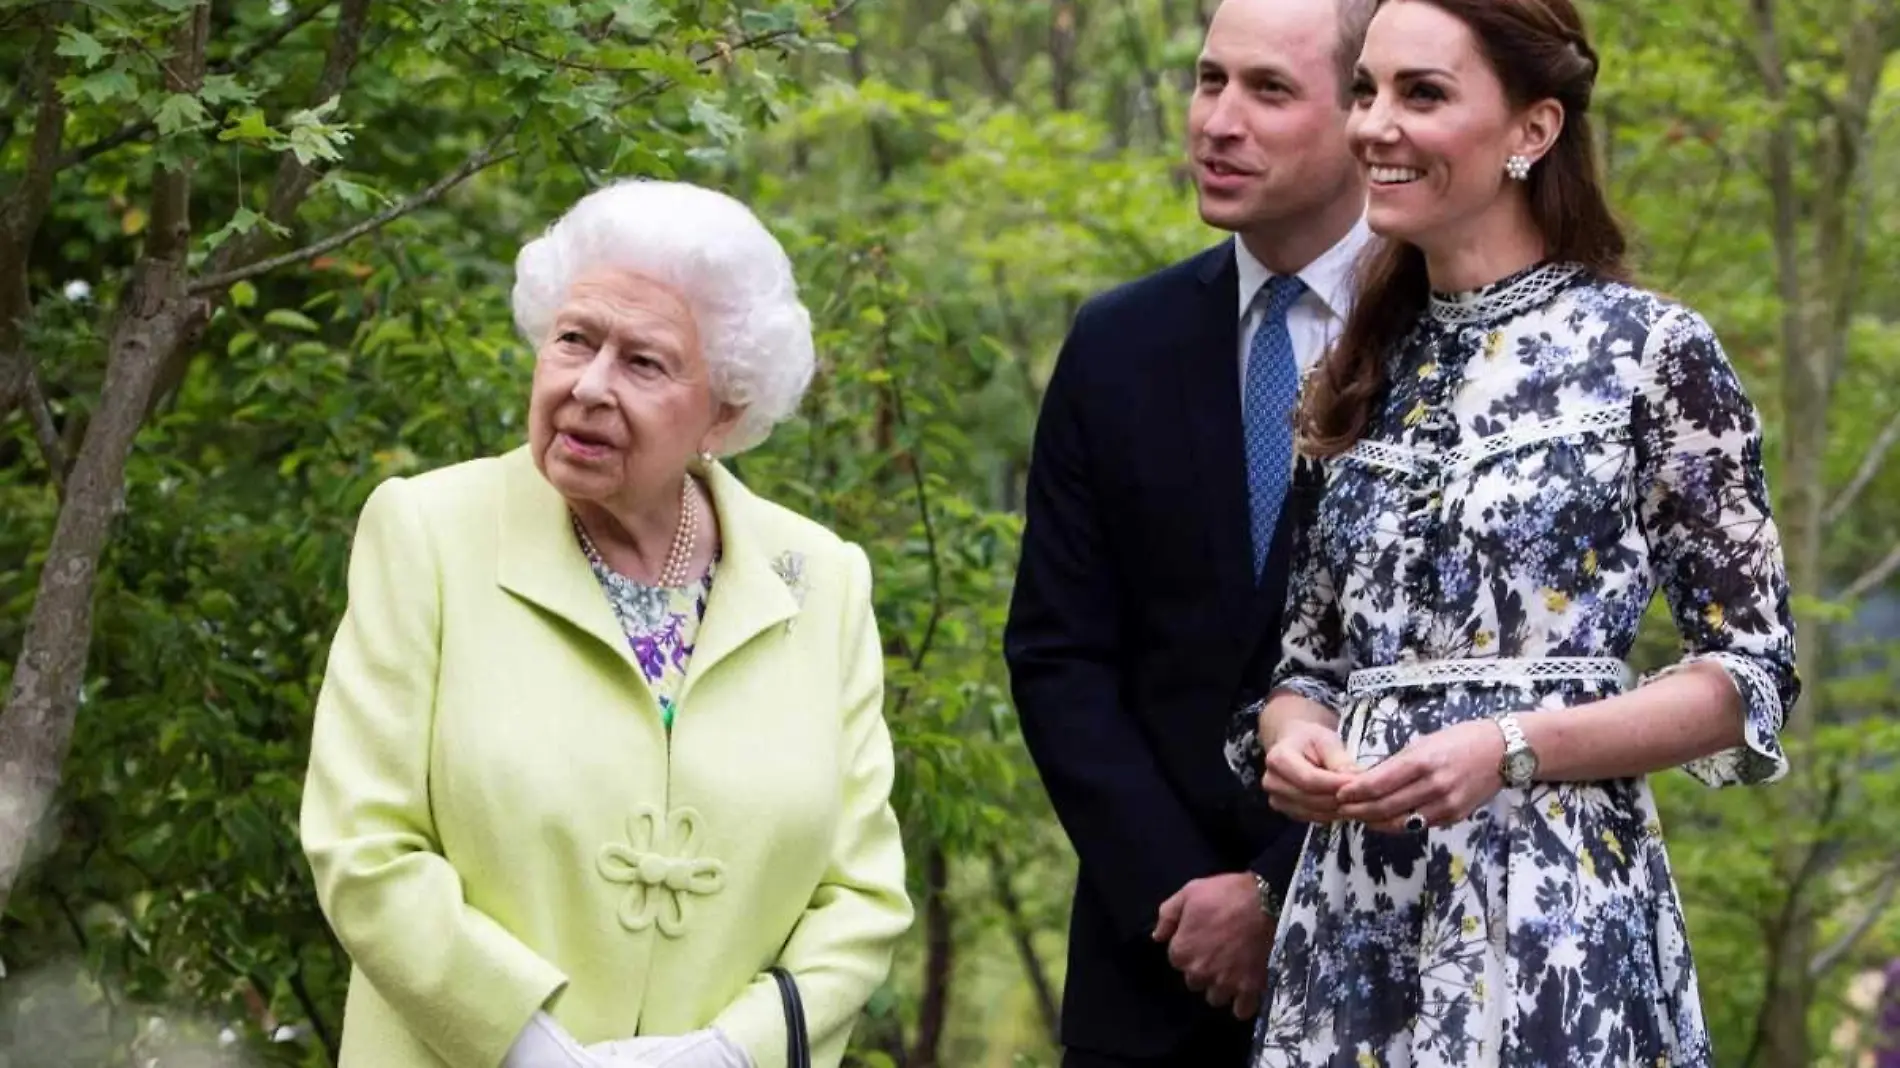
pixel 1520 766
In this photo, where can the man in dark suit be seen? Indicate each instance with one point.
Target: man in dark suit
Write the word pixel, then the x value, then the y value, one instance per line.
pixel 1147 604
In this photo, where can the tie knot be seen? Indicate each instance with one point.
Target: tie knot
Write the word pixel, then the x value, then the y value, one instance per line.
pixel 1279 293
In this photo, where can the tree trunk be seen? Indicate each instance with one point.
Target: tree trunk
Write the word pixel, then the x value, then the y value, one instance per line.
pixel 1064 29
pixel 1023 935
pixel 939 957
pixel 36 725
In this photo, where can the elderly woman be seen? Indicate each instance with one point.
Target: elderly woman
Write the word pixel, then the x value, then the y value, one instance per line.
pixel 601 740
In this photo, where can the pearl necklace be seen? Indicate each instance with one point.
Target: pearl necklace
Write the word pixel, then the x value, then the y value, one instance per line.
pixel 685 533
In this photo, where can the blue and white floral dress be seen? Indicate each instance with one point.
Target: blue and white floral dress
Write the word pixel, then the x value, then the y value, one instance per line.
pixel 1551 450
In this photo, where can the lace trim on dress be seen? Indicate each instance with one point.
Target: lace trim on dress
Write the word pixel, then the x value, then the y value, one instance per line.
pixel 1504 298
pixel 1401 458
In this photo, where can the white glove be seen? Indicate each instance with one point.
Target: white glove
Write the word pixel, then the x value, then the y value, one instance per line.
pixel 546 1044
pixel 708 1048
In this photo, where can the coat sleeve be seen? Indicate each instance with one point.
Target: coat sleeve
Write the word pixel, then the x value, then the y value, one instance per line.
pixel 1136 839
pixel 1712 541
pixel 461 983
pixel 840 949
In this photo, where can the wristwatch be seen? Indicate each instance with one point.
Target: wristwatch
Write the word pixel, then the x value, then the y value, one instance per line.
pixel 1519 764
pixel 1270 902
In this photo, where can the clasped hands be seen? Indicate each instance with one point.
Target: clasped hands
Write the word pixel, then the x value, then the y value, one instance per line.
pixel 1443 776
pixel 544 1043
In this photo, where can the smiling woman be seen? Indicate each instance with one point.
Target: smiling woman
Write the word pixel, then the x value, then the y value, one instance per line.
pixel 1523 449
pixel 600 752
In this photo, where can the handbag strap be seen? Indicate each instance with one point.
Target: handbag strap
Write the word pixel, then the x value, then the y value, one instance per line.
pixel 797 1043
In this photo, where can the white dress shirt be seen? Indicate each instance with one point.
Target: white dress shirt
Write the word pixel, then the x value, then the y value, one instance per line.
pixel 1320 313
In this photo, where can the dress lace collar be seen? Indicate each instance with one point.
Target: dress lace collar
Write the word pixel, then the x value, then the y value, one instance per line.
pixel 1508 296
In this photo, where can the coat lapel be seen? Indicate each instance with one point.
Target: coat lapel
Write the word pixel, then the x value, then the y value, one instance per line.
pixel 753 590
pixel 1210 397
pixel 540 562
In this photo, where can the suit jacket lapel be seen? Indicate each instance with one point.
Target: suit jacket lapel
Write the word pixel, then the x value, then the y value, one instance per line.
pixel 1210 396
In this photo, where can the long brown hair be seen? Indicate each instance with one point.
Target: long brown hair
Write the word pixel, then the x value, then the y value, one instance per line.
pixel 1539 51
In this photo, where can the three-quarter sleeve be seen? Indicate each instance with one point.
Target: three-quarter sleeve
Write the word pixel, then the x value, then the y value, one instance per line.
pixel 460 982
pixel 1314 659
pixel 1703 506
pixel 841 948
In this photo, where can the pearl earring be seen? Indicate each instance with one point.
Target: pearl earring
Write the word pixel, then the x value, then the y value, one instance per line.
pixel 1518 167
pixel 706 458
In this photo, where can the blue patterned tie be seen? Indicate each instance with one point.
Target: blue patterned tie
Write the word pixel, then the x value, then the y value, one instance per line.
pixel 1272 390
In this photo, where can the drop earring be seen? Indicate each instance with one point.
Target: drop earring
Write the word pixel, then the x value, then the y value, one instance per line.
pixel 1518 167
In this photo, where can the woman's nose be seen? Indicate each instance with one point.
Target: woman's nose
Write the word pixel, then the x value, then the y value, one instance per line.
pixel 1373 124
pixel 591 388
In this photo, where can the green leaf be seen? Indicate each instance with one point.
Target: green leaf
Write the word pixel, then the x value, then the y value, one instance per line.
pixel 243 221
pixel 313 142
pixel 240 343
pixel 291 319
pixel 715 120
pixel 355 195
pixel 244 294
pixel 179 112
pixel 81 46
pixel 639 17
pixel 225 89
pixel 248 125
pixel 104 87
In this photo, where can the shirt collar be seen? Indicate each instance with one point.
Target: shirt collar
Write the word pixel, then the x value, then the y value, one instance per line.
pixel 1328 277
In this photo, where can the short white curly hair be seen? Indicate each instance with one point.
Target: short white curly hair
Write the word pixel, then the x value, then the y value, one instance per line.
pixel 754 333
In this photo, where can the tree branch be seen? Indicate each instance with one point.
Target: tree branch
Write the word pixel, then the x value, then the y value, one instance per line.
pixel 1703 215
pixel 136 130
pixel 1825 960
pixel 22 210
pixel 987 58
pixel 294 177
pixel 46 432
pixel 487 156
pixel 1874 576
pixel 1869 467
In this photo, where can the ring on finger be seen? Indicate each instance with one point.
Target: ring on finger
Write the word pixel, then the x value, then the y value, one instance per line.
pixel 1415 823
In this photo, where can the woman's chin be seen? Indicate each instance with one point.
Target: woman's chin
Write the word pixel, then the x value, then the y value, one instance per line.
pixel 579 478
pixel 1392 221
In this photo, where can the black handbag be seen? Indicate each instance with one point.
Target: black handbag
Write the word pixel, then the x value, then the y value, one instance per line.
pixel 797 1043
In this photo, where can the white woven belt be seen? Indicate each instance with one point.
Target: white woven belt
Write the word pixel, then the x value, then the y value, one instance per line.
pixel 1526 669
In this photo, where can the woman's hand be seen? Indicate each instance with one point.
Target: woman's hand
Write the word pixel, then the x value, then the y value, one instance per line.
pixel 544 1043
pixel 1306 768
pixel 1443 777
pixel 707 1048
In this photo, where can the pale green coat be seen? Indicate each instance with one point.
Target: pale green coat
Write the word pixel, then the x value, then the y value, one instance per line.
pixel 498 822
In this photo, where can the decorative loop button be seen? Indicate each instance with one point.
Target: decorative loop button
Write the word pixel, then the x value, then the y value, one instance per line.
pixel 658 865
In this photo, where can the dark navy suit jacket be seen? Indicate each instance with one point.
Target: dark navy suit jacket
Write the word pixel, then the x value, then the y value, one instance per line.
pixel 1136 630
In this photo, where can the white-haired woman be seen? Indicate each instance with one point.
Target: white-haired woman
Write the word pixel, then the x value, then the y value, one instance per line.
pixel 601 738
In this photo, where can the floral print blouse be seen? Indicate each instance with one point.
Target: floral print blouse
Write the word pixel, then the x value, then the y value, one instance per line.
pixel 660 622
